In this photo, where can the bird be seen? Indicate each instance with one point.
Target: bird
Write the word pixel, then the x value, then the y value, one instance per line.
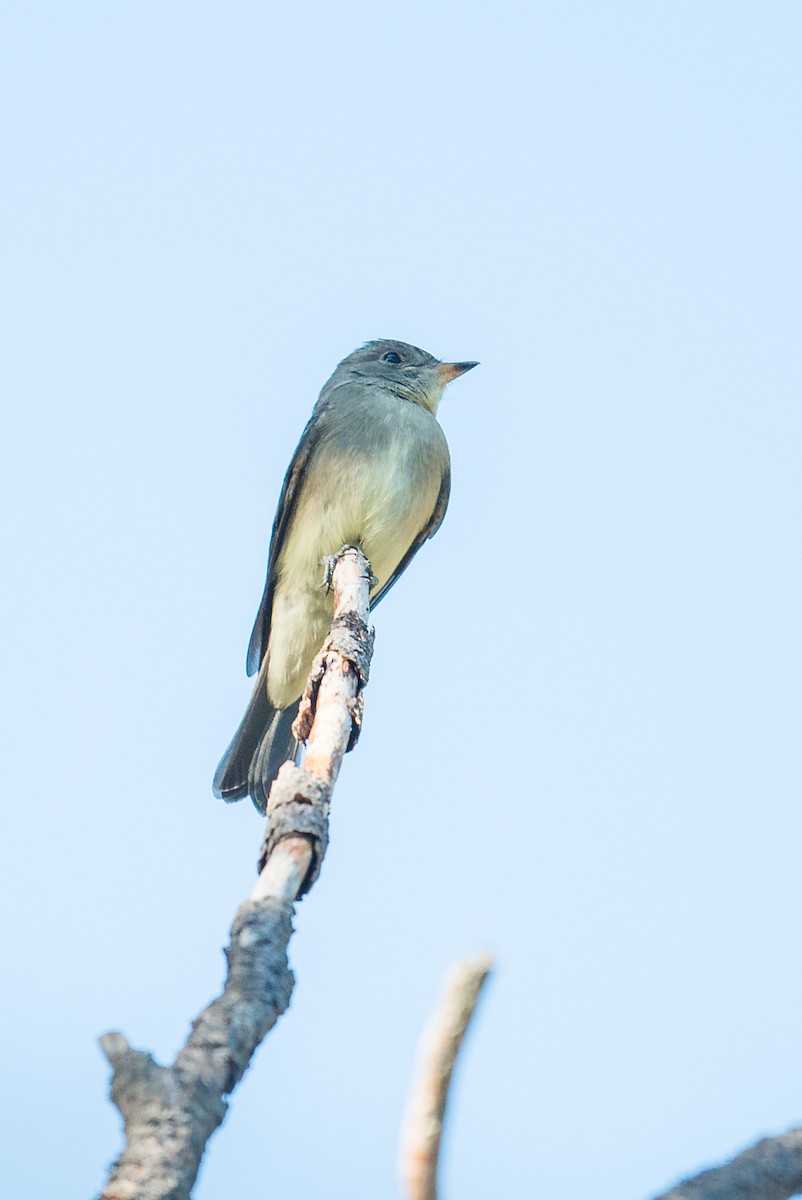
pixel 372 470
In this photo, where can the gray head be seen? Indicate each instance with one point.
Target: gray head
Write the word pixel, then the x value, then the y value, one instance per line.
pixel 397 367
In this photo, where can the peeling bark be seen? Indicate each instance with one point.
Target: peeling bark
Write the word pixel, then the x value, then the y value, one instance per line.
pixel 169 1113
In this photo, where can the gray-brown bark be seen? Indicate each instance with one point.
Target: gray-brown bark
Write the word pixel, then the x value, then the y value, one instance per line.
pixel 769 1170
pixel 169 1113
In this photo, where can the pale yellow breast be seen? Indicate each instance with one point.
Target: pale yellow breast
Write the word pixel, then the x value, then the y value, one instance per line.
pixel 379 501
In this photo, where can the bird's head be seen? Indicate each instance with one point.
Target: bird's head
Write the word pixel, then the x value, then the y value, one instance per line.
pixel 406 370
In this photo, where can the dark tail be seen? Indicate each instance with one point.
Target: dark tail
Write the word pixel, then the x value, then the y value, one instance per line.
pixel 262 743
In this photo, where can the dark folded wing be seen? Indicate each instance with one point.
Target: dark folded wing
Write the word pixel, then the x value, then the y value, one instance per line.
pixel 429 530
pixel 290 491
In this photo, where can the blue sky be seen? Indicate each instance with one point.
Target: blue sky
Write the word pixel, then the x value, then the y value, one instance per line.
pixel 597 775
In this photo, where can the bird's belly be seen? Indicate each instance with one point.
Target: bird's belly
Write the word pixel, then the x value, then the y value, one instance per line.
pixel 380 505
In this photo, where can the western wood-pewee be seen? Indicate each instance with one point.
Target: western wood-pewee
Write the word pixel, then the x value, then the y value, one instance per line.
pixel 372 469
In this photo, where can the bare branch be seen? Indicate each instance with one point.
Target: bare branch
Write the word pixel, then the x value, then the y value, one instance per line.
pixel 170 1113
pixel 769 1170
pixel 437 1054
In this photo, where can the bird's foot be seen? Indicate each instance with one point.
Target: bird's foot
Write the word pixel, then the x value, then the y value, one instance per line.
pixel 330 561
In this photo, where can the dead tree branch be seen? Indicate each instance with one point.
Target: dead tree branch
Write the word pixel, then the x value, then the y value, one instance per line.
pixel 437 1053
pixel 769 1170
pixel 169 1113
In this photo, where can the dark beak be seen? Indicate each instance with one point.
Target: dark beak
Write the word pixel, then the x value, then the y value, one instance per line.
pixel 451 371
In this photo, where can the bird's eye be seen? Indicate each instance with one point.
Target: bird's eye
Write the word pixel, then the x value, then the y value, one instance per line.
pixel 391 357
